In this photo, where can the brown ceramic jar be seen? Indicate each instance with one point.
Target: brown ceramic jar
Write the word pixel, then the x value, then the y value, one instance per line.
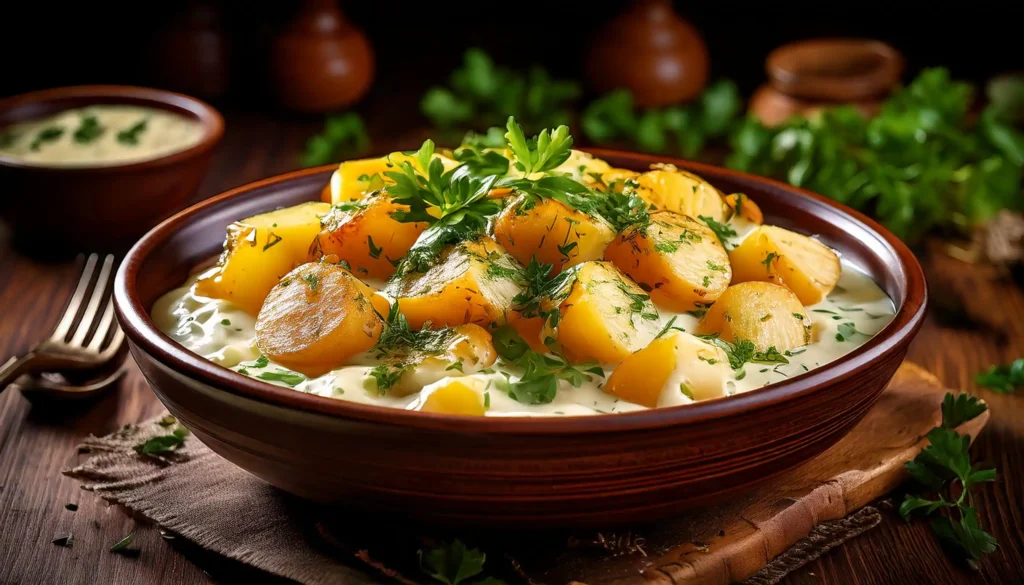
pixel 321 62
pixel 652 52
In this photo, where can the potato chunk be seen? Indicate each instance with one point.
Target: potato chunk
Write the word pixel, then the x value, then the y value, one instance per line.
pixel 763 313
pixel 551 231
pixel 605 316
pixel 258 251
pixel 357 178
pixel 680 191
pixel 471 282
pixel 450 351
pixel 803 265
pixel 364 234
pixel 456 396
pixel 316 319
pixel 676 368
pixel 743 206
pixel 679 260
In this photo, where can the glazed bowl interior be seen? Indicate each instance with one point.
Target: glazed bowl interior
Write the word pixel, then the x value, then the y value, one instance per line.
pixel 163 259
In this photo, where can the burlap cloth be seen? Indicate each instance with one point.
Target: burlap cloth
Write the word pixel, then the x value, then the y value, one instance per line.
pixel 194 493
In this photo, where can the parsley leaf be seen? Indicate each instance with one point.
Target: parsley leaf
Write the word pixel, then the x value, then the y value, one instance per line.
pixel 541 372
pixel 292 379
pixel 49 134
pixel 743 351
pixel 130 135
pixel 938 467
pixel 541 154
pixel 1003 379
pixel 453 563
pixel 89 129
pixel 163 443
pixel 722 230
pixel 343 135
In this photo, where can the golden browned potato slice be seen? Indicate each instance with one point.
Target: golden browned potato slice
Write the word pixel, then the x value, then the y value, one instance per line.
pixel 551 232
pixel 316 319
pixel 670 188
pixel 743 206
pixel 258 251
pixel 364 234
pixel 676 368
pixel 803 265
pixel 472 282
pixel 763 313
pixel 605 316
pixel 355 179
pixel 679 260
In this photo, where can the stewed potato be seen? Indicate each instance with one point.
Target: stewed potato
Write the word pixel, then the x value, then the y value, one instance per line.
pixel 364 234
pixel 742 206
pixel 471 282
pixel 763 313
pixel 355 179
pixel 316 319
pixel 462 395
pixel 605 316
pixel 803 265
pixel 465 349
pixel 551 232
pixel 670 188
pixel 258 251
pixel 676 368
pixel 677 258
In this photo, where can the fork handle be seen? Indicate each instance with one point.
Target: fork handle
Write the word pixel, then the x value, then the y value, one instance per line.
pixel 14 367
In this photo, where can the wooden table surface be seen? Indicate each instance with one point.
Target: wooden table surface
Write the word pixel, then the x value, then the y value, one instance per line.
pixel 37 442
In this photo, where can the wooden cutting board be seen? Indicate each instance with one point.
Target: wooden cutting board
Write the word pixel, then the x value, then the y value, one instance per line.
pixel 733 542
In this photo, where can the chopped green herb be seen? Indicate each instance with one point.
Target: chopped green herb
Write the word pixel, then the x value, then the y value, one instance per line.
pixel 312 280
pixel 225 322
pixel 1003 379
pixel 49 134
pixel 272 240
pixel 385 376
pixel 487 400
pixel 89 129
pixel 455 366
pixel 374 250
pixel 163 443
pixel 285 377
pixel 686 389
pixel 123 544
pixel 717 267
pixel 768 262
pixel 130 136
pixel 722 231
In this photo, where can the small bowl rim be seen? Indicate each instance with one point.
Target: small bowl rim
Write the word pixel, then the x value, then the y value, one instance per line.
pixel 145 336
pixel 211 120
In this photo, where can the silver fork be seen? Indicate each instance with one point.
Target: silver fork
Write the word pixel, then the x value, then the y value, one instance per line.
pixel 70 347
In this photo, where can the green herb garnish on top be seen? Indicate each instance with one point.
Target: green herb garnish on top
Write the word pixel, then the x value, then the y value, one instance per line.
pixel 130 136
pixel 89 130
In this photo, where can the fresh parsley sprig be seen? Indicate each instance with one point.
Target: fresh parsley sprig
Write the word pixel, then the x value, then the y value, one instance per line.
pixel 541 372
pixel 454 563
pixel 944 469
pixel 743 351
pixel 343 135
pixel 545 152
pixel 1003 379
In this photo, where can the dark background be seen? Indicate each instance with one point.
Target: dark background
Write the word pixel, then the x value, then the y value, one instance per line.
pixel 418 43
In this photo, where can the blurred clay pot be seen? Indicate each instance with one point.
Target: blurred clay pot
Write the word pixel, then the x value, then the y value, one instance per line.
pixel 321 62
pixel 806 76
pixel 652 52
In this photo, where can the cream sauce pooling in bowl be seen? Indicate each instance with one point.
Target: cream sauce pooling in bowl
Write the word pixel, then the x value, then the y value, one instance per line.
pixel 854 312
pixel 100 135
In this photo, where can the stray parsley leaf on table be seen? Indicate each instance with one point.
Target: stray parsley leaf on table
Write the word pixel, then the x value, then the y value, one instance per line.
pixel 163 443
pixel 453 563
pixel 938 468
pixel 1003 379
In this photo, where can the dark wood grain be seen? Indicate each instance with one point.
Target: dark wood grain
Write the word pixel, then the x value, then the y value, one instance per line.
pixel 36 442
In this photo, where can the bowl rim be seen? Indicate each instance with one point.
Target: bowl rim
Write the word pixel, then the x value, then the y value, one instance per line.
pixel 146 337
pixel 211 120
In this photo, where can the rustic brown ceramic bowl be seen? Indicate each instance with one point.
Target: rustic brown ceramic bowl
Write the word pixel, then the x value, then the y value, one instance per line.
pixel 515 471
pixel 103 207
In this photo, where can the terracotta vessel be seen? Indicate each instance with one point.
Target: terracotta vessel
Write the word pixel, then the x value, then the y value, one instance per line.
pixel 807 76
pixel 64 211
pixel 527 472
pixel 190 55
pixel 652 52
pixel 321 62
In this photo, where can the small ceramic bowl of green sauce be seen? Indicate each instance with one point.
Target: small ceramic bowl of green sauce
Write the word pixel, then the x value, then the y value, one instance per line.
pixel 91 168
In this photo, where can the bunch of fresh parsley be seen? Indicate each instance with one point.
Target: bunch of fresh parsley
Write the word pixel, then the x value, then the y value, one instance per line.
pixel 944 469
pixel 481 94
pixel 344 135
pixel 917 166
pixel 681 129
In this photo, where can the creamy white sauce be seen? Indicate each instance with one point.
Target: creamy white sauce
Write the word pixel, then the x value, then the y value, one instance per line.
pixel 225 335
pixel 100 135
